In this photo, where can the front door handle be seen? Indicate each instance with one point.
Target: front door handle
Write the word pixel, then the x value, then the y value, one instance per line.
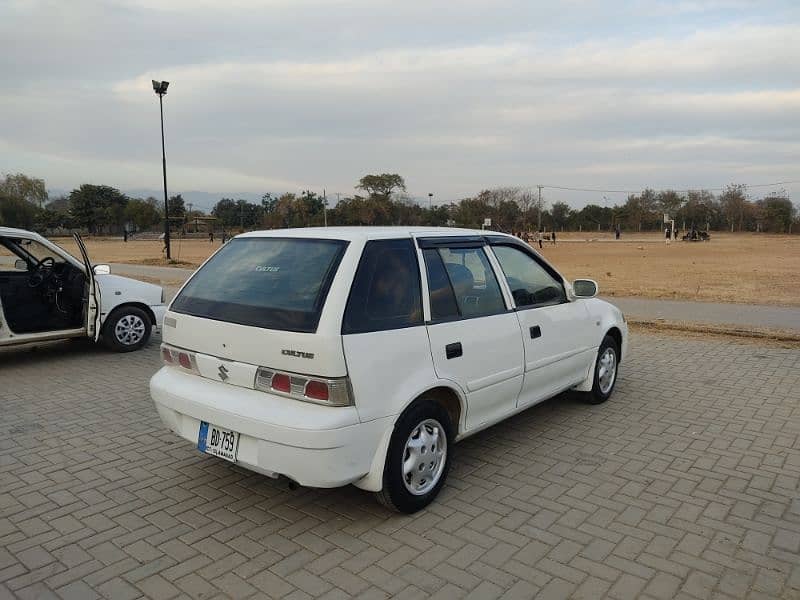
pixel 536 332
pixel 453 350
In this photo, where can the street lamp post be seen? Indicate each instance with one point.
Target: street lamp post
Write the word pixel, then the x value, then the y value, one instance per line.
pixel 160 88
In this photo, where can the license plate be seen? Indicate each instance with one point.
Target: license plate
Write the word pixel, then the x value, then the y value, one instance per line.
pixel 217 441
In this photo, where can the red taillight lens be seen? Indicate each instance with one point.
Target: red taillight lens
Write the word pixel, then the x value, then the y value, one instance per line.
pixel 166 356
pixel 317 390
pixel 184 360
pixel 281 383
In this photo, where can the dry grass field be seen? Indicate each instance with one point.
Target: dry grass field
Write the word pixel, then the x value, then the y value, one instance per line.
pixel 745 268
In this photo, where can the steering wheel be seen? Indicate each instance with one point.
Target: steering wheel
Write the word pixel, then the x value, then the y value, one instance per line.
pixel 41 272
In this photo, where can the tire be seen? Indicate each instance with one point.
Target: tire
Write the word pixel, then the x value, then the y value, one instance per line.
pixel 127 329
pixel 607 357
pixel 413 432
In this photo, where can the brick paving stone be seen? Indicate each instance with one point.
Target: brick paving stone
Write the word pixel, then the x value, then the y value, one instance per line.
pixel 666 491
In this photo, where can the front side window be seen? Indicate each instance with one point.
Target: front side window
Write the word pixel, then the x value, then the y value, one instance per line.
pixel 462 283
pixel 531 284
pixel 30 251
pixel 386 292
pixel 274 283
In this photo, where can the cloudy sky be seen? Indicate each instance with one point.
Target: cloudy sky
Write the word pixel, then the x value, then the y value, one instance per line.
pixel 282 95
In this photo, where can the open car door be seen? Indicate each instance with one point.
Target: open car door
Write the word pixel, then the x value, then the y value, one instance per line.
pixel 93 290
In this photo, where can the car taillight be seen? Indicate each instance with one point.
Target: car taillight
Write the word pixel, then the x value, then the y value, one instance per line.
pixel 183 360
pixel 175 357
pixel 317 390
pixel 166 356
pixel 331 392
pixel 281 383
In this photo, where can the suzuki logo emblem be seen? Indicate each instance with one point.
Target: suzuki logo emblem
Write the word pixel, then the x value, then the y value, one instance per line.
pixel 223 373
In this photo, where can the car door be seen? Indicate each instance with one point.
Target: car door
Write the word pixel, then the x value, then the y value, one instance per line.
pixel 557 333
pixel 474 335
pixel 92 291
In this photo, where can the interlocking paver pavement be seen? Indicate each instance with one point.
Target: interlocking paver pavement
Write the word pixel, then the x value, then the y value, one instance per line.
pixel 684 485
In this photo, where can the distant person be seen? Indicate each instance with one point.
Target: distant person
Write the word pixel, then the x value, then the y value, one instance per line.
pixel 675 234
pixel 224 237
pixel 539 238
pixel 124 235
pixel 210 237
pixel 616 232
pixel 553 236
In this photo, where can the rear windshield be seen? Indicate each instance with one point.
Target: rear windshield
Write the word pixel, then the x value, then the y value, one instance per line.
pixel 275 283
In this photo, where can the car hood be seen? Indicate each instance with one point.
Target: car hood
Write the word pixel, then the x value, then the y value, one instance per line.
pixel 128 289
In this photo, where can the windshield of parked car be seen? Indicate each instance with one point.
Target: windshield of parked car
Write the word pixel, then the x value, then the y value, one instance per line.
pixel 275 283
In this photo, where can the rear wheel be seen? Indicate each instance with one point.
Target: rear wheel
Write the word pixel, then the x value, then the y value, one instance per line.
pixel 127 329
pixel 605 371
pixel 418 458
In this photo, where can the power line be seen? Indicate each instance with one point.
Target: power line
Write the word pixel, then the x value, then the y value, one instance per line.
pixel 710 189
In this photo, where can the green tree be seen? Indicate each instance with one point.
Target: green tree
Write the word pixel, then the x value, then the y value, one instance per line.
pixel 778 212
pixel 560 213
pixel 98 207
pixel 21 187
pixel 699 209
pixel 237 214
pixel 669 202
pixel 143 214
pixel 15 212
pixel 733 202
pixel 177 208
pixel 382 185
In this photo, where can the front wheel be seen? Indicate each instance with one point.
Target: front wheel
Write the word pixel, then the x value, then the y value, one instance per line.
pixel 605 371
pixel 127 329
pixel 418 458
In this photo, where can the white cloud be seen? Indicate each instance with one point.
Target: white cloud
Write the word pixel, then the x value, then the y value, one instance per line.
pixel 296 94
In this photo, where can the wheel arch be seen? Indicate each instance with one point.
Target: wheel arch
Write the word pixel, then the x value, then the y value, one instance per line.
pixel 140 305
pixel 616 335
pixel 453 402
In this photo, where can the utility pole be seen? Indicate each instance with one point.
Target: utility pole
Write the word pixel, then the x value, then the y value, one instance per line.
pixel 190 214
pixel 241 214
pixel 325 206
pixel 540 206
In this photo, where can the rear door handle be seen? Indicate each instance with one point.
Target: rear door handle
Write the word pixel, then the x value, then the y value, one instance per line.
pixel 453 350
pixel 536 332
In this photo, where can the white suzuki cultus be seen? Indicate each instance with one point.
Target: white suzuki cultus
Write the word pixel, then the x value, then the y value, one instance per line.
pixel 361 355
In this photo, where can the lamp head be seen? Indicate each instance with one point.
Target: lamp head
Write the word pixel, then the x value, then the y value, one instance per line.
pixel 160 87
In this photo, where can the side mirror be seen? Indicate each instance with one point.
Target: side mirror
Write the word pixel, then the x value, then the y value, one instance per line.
pixel 584 288
pixel 101 269
pixel 20 265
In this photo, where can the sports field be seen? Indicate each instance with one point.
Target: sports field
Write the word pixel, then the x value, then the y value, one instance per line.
pixel 746 268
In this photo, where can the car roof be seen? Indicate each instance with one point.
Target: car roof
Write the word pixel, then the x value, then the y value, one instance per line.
pixel 12 232
pixel 369 233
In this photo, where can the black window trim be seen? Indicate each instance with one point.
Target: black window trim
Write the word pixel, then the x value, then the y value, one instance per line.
pixel 496 240
pixel 451 241
pixel 355 274
pixel 461 242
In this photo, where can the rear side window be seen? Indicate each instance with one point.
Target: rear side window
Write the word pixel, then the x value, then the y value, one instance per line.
pixel 386 290
pixel 274 283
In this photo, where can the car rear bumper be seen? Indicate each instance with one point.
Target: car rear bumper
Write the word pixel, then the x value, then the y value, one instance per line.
pixel 317 446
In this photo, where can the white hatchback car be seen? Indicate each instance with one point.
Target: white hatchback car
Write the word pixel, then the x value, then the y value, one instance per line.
pixel 47 294
pixel 360 355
